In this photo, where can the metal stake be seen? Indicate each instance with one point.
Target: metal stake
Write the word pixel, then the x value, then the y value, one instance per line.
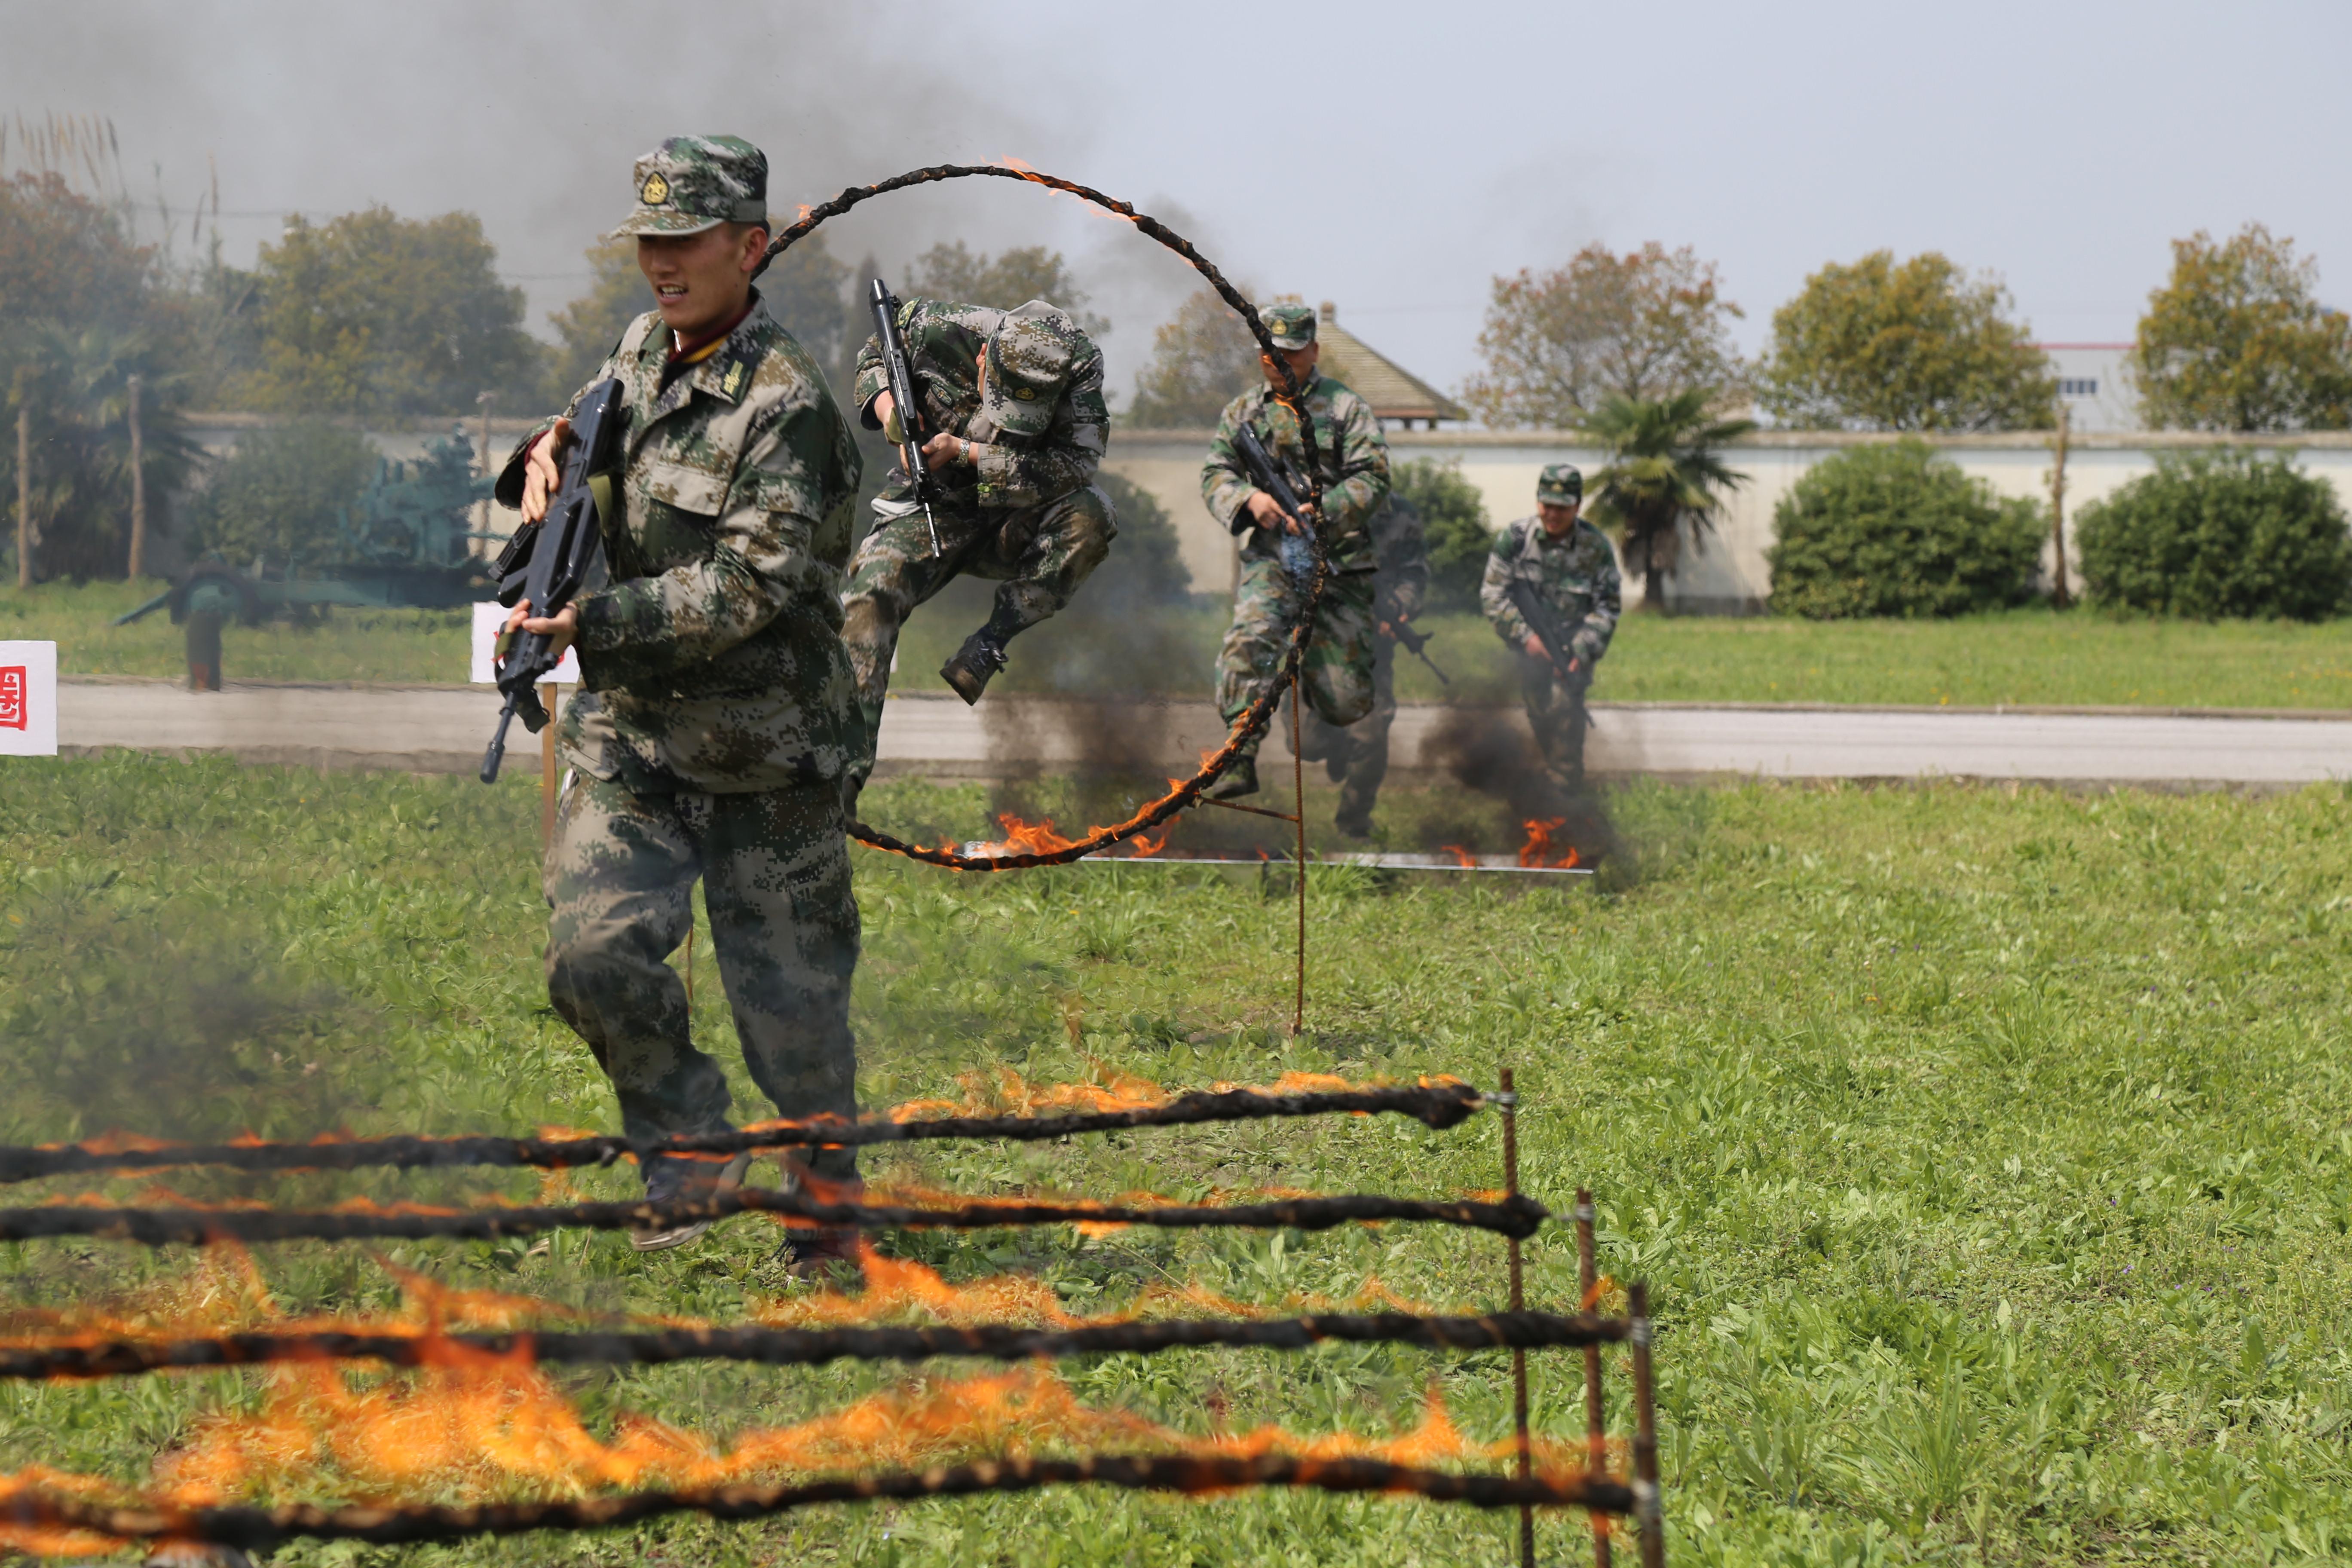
pixel 1645 1433
pixel 547 769
pixel 1596 1414
pixel 1299 796
pixel 1509 1100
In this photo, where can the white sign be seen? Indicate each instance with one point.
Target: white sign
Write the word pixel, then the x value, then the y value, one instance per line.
pixel 29 699
pixel 487 621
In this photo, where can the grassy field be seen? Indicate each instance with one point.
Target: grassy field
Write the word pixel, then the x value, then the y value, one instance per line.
pixel 2023 656
pixel 1986 1149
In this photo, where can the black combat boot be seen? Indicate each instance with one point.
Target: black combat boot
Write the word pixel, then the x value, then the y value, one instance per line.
pixel 1239 780
pixel 981 656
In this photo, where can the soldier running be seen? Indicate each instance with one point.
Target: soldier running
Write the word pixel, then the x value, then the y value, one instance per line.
pixel 1571 569
pixel 1352 462
pixel 720 714
pixel 1016 425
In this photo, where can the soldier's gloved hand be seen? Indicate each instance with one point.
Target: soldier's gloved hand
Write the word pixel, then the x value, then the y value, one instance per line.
pixel 542 473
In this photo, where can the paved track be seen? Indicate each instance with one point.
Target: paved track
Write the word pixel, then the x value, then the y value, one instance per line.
pixel 442 729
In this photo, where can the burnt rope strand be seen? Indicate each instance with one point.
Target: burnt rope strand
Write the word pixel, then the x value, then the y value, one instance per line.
pixel 260 1529
pixel 1254 719
pixel 196 1227
pixel 1439 1105
pixel 813 1347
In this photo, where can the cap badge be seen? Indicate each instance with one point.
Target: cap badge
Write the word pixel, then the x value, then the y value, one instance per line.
pixel 1025 393
pixel 655 190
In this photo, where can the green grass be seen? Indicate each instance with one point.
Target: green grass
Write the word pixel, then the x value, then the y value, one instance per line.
pixel 341 645
pixel 1986 1151
pixel 2022 657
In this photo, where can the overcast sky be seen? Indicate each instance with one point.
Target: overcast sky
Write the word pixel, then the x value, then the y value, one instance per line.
pixel 1390 157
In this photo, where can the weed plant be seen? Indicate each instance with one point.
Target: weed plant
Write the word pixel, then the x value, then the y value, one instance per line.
pixel 1986 1149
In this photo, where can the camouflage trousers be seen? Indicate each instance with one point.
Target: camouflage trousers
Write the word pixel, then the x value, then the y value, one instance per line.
pixel 775 874
pixel 1336 675
pixel 1038 556
pixel 1556 713
pixel 1356 755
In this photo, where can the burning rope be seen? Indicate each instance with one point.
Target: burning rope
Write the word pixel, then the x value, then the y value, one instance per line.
pixel 810 1347
pixel 1437 1105
pixel 259 1528
pixel 1517 1216
pixel 1260 711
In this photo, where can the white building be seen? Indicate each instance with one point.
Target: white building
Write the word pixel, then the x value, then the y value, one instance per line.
pixel 2094 386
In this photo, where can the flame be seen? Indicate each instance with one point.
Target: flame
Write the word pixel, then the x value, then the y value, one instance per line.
pixel 1537 850
pixel 483 1426
pixel 1461 856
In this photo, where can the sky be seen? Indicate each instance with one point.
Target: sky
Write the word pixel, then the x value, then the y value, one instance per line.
pixel 1391 158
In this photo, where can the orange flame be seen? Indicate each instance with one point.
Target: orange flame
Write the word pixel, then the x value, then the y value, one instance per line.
pixel 1538 850
pixel 484 1426
pixel 1461 856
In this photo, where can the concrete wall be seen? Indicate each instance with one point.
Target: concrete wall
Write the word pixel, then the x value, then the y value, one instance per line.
pixel 1729 576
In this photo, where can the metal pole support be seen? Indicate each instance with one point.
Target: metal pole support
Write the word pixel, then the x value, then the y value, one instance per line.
pixel 1509 1100
pixel 1646 1509
pixel 1596 1406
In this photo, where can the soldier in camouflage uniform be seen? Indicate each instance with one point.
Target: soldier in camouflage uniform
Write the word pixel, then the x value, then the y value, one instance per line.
pixel 1014 427
pixel 1572 568
pixel 1352 462
pixel 1357 756
pixel 720 714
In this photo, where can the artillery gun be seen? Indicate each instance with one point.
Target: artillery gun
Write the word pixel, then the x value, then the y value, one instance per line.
pixel 405 541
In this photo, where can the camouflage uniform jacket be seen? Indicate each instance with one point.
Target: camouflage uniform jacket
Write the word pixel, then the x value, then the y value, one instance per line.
pixel 1349 458
pixel 1577 576
pixel 712 639
pixel 944 343
pixel 1402 541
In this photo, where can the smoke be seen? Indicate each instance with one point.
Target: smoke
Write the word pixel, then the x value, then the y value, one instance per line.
pixel 529 113
pixel 1489 753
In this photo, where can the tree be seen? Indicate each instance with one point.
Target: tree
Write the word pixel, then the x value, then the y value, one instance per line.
pixel 82 309
pixel 952 272
pixel 1919 346
pixel 1649 324
pixel 273 502
pixel 1895 529
pixel 2218 533
pixel 1200 360
pixel 1663 478
pixel 373 314
pixel 1453 525
pixel 2235 340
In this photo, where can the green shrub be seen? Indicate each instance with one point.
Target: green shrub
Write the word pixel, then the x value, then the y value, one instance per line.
pixel 1896 530
pixel 2213 534
pixel 278 497
pixel 1455 522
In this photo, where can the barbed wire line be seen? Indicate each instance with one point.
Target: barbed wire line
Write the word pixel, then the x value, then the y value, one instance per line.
pixel 813 1347
pixel 1260 712
pixel 1517 1216
pixel 1436 1105
pixel 260 1529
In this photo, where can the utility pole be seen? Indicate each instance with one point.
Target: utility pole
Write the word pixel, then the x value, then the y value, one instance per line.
pixel 138 490
pixel 2059 598
pixel 482 546
pixel 24 487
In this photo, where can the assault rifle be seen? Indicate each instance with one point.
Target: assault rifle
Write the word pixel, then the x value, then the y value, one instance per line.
pixel 1417 644
pixel 547 562
pixel 1546 624
pixel 901 373
pixel 1277 478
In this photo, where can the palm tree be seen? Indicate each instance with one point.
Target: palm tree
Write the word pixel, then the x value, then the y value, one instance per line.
pixel 1664 473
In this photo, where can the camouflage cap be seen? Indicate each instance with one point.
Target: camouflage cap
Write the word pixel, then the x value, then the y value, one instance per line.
pixel 689 184
pixel 1030 356
pixel 1560 484
pixel 1290 326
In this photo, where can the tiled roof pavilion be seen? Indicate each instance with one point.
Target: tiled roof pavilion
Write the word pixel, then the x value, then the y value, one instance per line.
pixel 1394 392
